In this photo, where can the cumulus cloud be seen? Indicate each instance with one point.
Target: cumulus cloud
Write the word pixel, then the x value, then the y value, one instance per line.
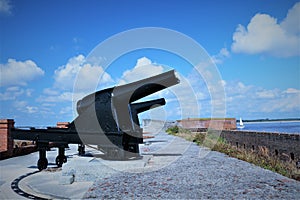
pixel 19 73
pixel 144 68
pixel 292 91
pixel 268 94
pixel 50 91
pixel 19 104
pixel 11 93
pixel 61 97
pixel 255 102
pixel 264 34
pixel 5 7
pixel 84 76
pixel 23 106
pixel 31 109
pixel 292 22
pixel 219 58
pixel 181 98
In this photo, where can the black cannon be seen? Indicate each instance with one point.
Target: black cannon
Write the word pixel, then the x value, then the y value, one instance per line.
pixel 107 118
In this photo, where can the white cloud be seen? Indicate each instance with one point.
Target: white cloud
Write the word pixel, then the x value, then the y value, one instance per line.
pixel 144 68
pixel 29 92
pixel 66 110
pixel 5 7
pixel 75 80
pixel 256 102
pixel 84 76
pixel 20 105
pixel 54 102
pixel 265 35
pixel 181 99
pixel 18 72
pixel 292 91
pixel 50 91
pixel 31 109
pixel 219 58
pixel 185 97
pixel 282 104
pixel 60 97
pixel 11 93
pixel 266 94
pixel 292 22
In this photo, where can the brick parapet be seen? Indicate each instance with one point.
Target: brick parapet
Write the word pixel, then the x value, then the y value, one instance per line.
pixel 62 124
pixel 284 145
pixel 213 123
pixel 6 142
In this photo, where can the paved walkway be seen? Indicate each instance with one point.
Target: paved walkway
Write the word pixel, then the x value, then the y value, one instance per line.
pixel 45 184
pixel 171 168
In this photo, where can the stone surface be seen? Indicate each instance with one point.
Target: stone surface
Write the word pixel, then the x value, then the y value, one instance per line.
pixel 66 180
pixel 195 174
pixel 284 145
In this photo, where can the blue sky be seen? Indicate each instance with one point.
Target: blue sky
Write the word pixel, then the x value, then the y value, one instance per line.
pixel 255 45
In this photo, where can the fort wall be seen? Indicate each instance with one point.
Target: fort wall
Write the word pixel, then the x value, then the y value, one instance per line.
pixel 6 142
pixel 284 145
pixel 211 123
pixel 9 147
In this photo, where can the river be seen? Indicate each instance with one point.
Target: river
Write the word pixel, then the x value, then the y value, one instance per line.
pixel 277 126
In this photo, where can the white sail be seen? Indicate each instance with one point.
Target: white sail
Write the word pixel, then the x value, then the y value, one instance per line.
pixel 241 122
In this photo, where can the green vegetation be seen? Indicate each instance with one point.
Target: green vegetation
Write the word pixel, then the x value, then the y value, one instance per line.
pixel 173 130
pixel 261 157
pixel 181 132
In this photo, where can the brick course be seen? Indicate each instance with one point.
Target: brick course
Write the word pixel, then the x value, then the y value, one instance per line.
pixel 214 123
pixel 6 142
pixel 7 148
pixel 283 145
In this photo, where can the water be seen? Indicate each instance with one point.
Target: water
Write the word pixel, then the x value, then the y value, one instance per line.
pixel 279 127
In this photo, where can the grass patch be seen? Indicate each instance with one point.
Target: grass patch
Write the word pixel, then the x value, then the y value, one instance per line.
pixel 181 132
pixel 260 157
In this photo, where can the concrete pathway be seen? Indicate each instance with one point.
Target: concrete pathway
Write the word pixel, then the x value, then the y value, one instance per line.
pixel 45 184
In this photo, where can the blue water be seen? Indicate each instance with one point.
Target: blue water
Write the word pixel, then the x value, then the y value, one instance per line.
pixel 278 127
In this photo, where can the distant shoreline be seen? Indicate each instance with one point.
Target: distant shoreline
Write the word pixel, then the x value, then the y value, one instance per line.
pixel 262 122
pixel 272 120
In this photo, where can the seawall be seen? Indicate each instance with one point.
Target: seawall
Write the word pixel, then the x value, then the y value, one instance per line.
pixel 285 146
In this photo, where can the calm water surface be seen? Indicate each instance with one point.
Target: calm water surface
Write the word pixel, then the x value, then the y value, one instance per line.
pixel 281 127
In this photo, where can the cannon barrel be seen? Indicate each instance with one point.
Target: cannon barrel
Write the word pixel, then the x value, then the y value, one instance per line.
pixel 139 89
pixel 130 92
pixel 147 105
pixel 137 108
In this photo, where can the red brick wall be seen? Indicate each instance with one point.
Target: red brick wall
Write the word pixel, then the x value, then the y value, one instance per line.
pixel 279 144
pixel 218 124
pixel 62 124
pixel 6 142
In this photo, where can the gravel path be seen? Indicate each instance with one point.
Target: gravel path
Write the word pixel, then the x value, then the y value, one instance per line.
pixel 216 176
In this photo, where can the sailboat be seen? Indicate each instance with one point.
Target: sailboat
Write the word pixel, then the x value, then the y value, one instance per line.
pixel 241 124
